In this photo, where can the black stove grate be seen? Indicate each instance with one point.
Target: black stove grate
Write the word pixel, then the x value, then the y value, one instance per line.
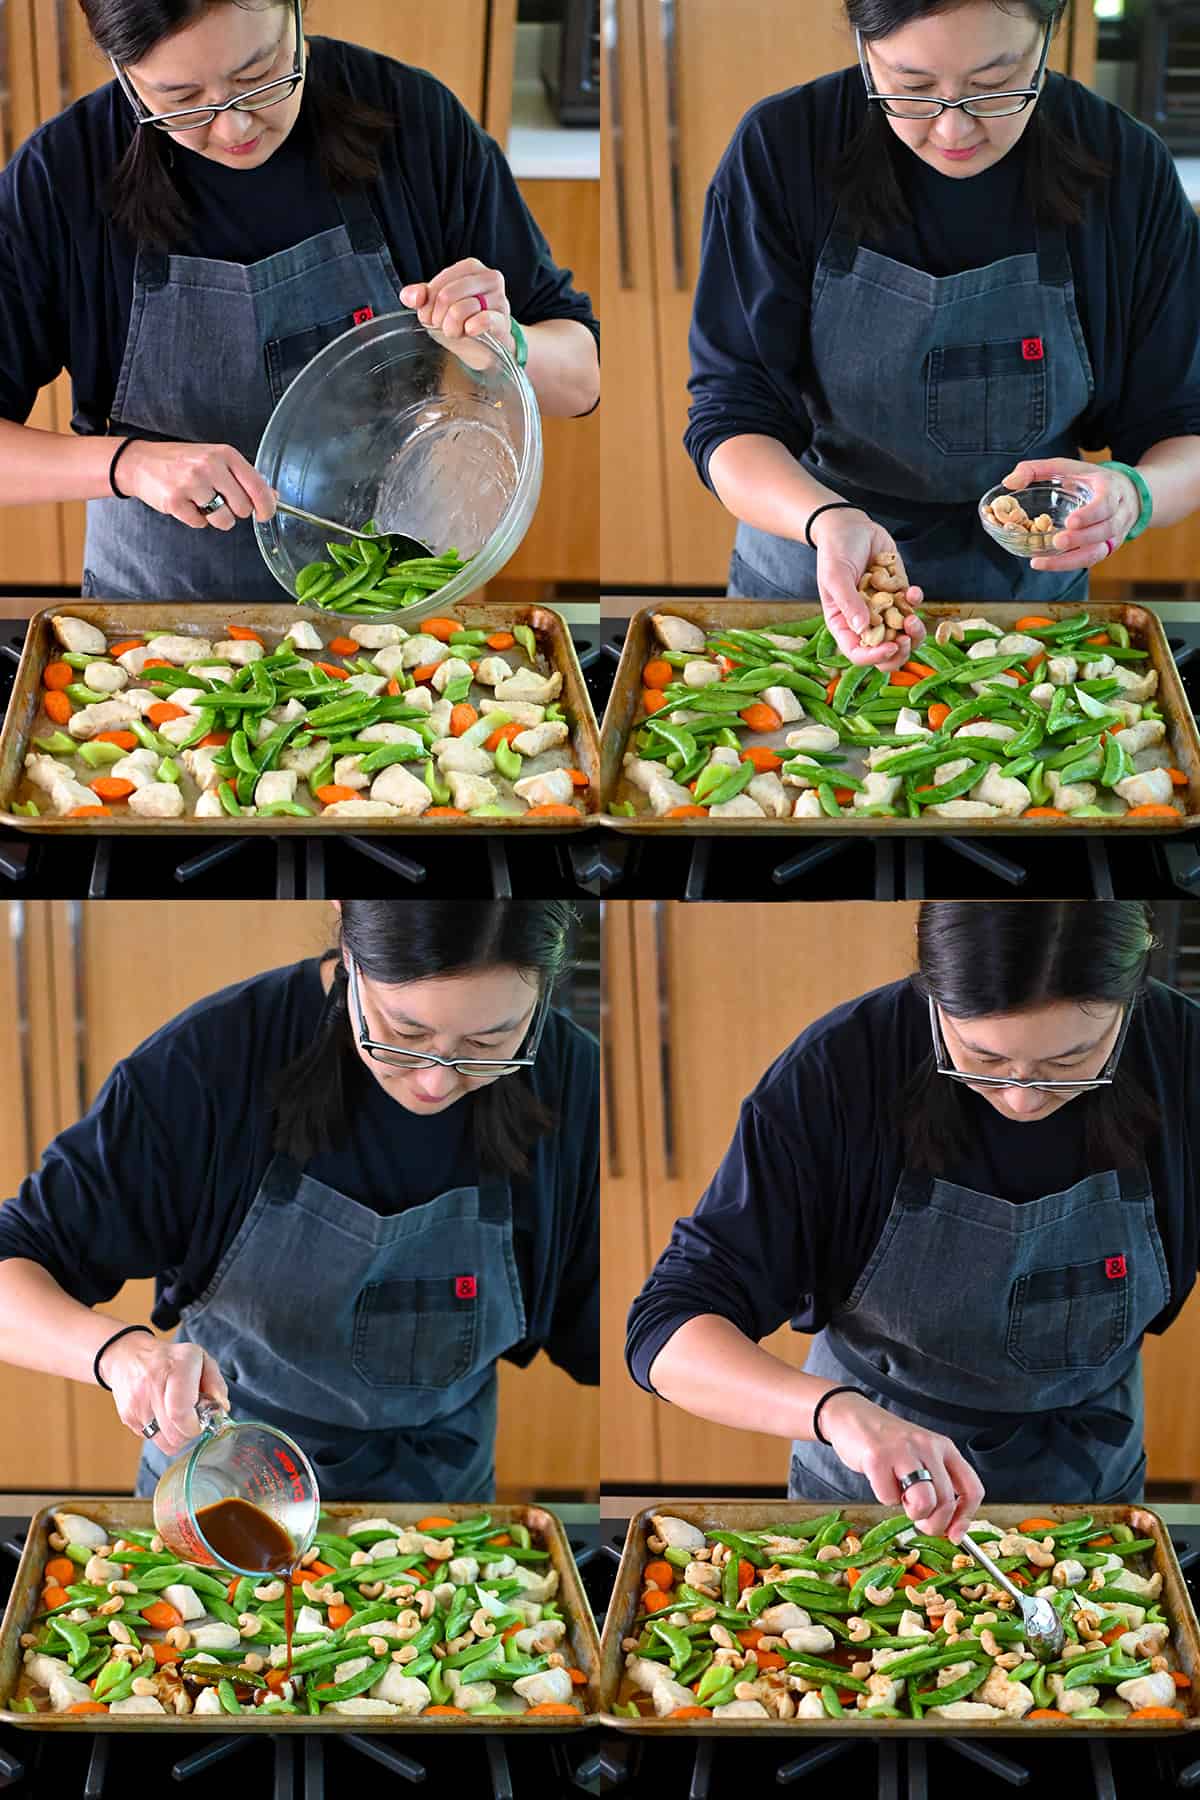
pixel 539 866
pixel 50 1766
pixel 749 868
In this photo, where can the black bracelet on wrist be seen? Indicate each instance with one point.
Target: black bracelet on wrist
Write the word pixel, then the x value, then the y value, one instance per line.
pixel 829 506
pixel 817 1411
pixel 124 1332
pixel 118 453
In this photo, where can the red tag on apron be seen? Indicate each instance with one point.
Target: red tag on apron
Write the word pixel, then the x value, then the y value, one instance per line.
pixel 363 314
pixel 1114 1268
pixel 465 1288
pixel 1033 349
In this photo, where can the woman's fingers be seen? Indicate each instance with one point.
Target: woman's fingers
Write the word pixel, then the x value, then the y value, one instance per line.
pixel 969 1488
pixel 1045 470
pixel 212 1382
pixel 180 1390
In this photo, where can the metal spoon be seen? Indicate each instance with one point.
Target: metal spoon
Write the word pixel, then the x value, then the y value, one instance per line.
pixel 1044 1632
pixel 400 547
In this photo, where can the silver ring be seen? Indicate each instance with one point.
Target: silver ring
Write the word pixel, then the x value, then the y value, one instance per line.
pixel 151 1428
pixel 213 505
pixel 918 1475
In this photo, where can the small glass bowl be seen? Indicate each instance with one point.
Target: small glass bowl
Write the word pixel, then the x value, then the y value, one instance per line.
pixel 1056 500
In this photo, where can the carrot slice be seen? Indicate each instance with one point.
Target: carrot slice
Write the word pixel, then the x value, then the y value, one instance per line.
pixel 276 1679
pixel 451 1712
pixel 831 688
pixel 657 674
pixel 924 1573
pixel 124 740
pixel 653 1600
pixel 58 707
pixel 337 673
pixel 343 646
pixel 503 734
pixel 1101 637
pixel 162 1615
pixel 87 1706
pixel 687 812
pixel 232 1589
pixel 578 778
pixel 1030 621
pixel 393 690
pixel 462 717
pixel 57 675
pixel 425 673
pixel 158 662
pixel 770 1659
pixel 1019 677
pixel 434 1522
pixel 338 1615
pixel 167 1653
pixel 843 796
pixel 938 713
pixel 443 812
pixel 112 787
pixel 550 1706
pixel 164 710
pixel 578 1678
pixel 1178 778
pixel 116 650
pixel 1110 1637
pixel 765 760
pixel 1046 1712
pixel 904 679
pixel 1099 1543
pixel 922 670
pixel 53 1595
pixel 653 700
pixel 1153 812
pixel 509 1631
pixel 1038 1525
pixel 657 1574
pixel 60 1570
pixel 683 1712
pixel 552 809
pixel 214 740
pixel 244 632
pixel 1182 1681
pixel 761 717
pixel 1043 812
pixel 502 1538
pixel 1034 663
pixel 750 1638
pixel 330 795
pixel 853 1577
pixel 501 640
pixel 1171 1713
pixel 90 812
pixel 442 629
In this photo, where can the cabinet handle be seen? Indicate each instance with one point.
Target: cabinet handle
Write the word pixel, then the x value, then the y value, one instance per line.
pixel 6 140
pixel 20 956
pixel 78 1003
pixel 670 40
pixel 664 1038
pixel 616 116
pixel 606 1050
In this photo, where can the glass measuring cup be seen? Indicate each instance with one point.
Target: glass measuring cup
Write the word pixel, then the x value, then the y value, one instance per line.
pixel 242 1460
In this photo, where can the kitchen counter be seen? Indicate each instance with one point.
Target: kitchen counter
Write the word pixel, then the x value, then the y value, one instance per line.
pixel 539 149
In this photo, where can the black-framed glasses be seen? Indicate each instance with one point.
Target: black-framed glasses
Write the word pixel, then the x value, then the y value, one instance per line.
pixel 195 118
pixel 945 1067
pixel 980 106
pixel 420 1059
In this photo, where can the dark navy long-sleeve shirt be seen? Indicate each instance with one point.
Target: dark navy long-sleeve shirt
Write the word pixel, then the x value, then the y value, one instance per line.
pixel 1135 259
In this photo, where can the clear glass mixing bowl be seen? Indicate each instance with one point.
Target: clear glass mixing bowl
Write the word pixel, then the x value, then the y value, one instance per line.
pixel 396 423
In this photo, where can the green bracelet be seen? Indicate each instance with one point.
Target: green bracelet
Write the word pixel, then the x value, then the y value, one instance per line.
pixel 521 342
pixel 1144 495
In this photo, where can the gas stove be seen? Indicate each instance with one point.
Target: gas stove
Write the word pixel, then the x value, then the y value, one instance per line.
pixel 949 868
pixel 635 1768
pixel 51 1766
pixel 541 865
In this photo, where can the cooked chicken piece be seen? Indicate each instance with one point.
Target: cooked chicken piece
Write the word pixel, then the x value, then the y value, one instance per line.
pixel 1150 1640
pixel 438 722
pixel 421 698
pixel 542 1638
pixel 387 733
pixel 1155 1689
pixel 362 809
pixel 520 712
pixel 157 800
pixel 47 773
pixel 455 668
pixel 390 660
pixel 184 1599
pixel 1136 687
pixel 739 1709
pixel 1009 796
pixel 1069 1700
pixel 77 636
pixel 106 715
pixel 808 806
pixel 988 625
pixel 43 1668
pixel 913 1624
pixel 347 771
pixel 816 1638
pixel 548 1684
pixel 813 737
pixel 377 637
pixel 219 1636
pixel 303 761
pixel 140 767
pixel 176 730
pixel 879 753
pixel 700 674
pixel 742 806
pixel 1043 694
pixel 177 649
pixel 878 790
pixel 1015 643
pixel 305 636
pixel 677 1534
pixel 400 788
pixel 537 738
pixel 785 702
pixel 654 782
pixel 1148 1587
pixel 536 1587
pixel 276 784
pixel 469 790
pixel 472 1694
pixel 804 773
pixel 1012 1697
pixel 1068 797
pixel 468 759
pixel 345 1671
pixel 1099 668
pixel 105 678
pixel 239 651
pixel 492 669
pixel 948 770
pixel 964 809
pixel 986 647
pixel 771 795
pixel 987 728
pixel 133 661
pixel 363 1706
pixel 994 681
pixel 422 649
pixel 683 717
pixel 967 1709
pixel 1151 789
pixel 677 634
pixel 208 806
pixel 882 1690
pixel 527 684
pixel 1157 757
pixel 554 788
pixel 784 1616
pixel 1142 736
pixel 909 723
pixel 810 1706
pixel 368 684
pixel 221 673
pixel 1061 670
pixel 138 1703
pixel 702 1575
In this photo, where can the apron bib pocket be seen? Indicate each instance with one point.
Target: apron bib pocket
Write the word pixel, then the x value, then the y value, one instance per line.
pixel 986 399
pixel 415 1332
pixel 286 356
pixel 1073 1317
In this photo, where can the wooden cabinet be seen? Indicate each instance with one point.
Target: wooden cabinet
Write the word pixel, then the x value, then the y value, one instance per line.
pixel 68 1011
pixel 700 1000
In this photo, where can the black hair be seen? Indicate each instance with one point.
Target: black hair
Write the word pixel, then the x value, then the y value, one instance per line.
pixel 395 941
pixel 1060 171
pixel 143 198
pixel 976 959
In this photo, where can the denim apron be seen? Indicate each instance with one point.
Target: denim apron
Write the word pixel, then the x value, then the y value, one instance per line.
pixel 930 389
pixel 372 1341
pixel 211 348
pixel 1014 1330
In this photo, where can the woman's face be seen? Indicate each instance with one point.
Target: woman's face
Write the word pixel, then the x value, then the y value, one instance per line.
pixel 485 1013
pixel 1063 1041
pixel 227 51
pixel 979 48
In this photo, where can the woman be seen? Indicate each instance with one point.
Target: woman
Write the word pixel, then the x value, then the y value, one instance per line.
pixel 187 238
pixel 903 302
pixel 345 1196
pixel 977 1187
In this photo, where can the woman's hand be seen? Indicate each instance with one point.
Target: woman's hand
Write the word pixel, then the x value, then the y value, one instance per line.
pixel 178 479
pixel 449 303
pixel 151 1379
pixel 847 544
pixel 875 1443
pixel 1106 520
